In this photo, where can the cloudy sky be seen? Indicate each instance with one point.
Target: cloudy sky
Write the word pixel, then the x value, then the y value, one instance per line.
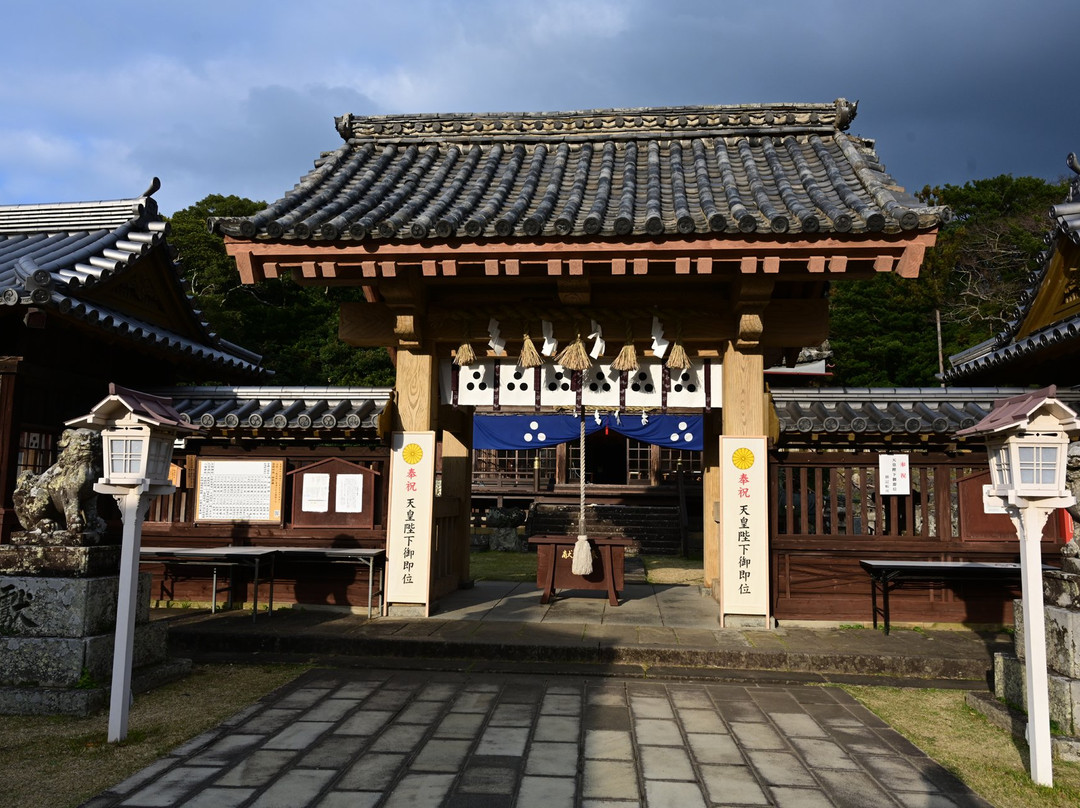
pixel 238 97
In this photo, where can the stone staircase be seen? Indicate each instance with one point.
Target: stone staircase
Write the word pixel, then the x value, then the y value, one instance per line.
pixel 654 530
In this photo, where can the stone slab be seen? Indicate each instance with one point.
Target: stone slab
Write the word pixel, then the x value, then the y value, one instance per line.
pixel 63 661
pixel 84 701
pixel 34 606
pixel 71 562
pixel 1010 677
pixel 1061 589
pixel 1062 638
pixel 55 538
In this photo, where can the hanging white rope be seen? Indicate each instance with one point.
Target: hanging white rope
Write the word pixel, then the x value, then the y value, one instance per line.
pixel 582 564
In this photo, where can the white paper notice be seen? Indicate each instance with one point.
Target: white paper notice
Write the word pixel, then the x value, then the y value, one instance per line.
pixel 349 497
pixel 316 494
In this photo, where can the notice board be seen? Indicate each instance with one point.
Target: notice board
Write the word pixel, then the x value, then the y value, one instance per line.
pixel 240 491
pixel 334 493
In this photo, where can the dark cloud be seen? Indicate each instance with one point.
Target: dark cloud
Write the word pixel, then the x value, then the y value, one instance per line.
pixel 240 97
pixel 266 143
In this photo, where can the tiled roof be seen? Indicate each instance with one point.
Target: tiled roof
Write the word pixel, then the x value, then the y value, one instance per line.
pixel 59 256
pixel 1004 350
pixel 913 411
pixel 784 168
pixel 316 411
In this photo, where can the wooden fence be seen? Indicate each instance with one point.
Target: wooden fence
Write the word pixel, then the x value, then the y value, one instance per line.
pixel 827 514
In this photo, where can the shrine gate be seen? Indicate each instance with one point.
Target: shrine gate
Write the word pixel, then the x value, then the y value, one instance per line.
pixel 703 237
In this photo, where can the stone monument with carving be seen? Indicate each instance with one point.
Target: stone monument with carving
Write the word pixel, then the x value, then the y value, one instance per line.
pixel 58 593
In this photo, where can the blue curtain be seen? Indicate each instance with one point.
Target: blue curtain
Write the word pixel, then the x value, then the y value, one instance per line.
pixel 535 431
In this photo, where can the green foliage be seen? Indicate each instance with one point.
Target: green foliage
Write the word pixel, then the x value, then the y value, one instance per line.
pixel 294 327
pixel 884 332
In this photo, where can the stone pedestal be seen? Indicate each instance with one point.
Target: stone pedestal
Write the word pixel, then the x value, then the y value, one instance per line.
pixel 57 626
pixel 1061 596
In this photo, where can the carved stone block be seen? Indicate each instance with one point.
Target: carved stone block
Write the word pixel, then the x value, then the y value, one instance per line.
pixel 31 606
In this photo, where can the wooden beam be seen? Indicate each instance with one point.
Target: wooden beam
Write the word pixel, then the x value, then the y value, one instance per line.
pixel 367 325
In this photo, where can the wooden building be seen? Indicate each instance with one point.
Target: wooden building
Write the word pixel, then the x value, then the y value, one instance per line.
pixel 278 435
pixel 1041 344
pixel 724 224
pixel 90 294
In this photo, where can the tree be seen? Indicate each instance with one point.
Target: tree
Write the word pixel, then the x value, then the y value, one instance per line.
pixel 884 330
pixel 984 255
pixel 294 327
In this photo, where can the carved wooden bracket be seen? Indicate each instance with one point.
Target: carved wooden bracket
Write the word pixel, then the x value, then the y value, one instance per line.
pixel 751 297
pixel 574 291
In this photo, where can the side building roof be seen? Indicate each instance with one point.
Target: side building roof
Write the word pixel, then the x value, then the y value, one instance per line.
pixel 107 266
pixel 1011 356
pixel 777 168
pixel 889 415
pixel 273 413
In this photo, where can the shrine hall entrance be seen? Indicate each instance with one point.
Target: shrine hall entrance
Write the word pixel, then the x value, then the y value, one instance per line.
pixel 606 458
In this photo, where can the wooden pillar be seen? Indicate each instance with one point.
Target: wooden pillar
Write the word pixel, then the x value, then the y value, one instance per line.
pixel 457 480
pixel 744 414
pixel 710 490
pixel 9 445
pixel 417 386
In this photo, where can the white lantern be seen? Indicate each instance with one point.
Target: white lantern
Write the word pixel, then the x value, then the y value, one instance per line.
pixel 137 435
pixel 1028 464
pixel 1027 443
pixel 133 453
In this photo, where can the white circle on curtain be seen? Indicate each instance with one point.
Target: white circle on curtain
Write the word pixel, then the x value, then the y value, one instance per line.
pixel 534 425
pixel 541 436
pixel 674 437
pixel 689 436
pixel 682 426
pixel 528 437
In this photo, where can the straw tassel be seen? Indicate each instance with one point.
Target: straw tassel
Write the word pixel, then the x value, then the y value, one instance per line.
pixel 574 356
pixel 677 359
pixel 582 563
pixel 626 361
pixel 465 354
pixel 530 357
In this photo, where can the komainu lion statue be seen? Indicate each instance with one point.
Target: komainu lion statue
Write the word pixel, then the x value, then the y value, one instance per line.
pixel 62 497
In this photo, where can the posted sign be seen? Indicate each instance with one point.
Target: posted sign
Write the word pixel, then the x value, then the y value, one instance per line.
pixel 745 525
pixel 408 537
pixel 895 473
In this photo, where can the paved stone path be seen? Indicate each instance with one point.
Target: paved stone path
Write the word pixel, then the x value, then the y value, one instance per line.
pixel 414 739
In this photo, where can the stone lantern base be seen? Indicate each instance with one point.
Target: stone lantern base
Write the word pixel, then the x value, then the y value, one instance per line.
pixel 57 624
pixel 1061 596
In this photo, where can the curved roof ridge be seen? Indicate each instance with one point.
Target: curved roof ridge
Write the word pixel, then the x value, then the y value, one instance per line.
pixel 678 171
pixel 57 255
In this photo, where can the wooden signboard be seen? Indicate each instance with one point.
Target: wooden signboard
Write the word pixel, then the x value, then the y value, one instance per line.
pixel 240 491
pixel 334 493
pixel 745 549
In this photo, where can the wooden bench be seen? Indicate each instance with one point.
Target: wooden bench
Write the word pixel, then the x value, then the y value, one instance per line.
pixel 888 574
pixel 258 559
pixel 366 556
pixel 261 560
